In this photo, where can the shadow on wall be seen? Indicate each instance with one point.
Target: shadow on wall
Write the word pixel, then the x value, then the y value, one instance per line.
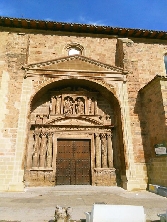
pixel 150 109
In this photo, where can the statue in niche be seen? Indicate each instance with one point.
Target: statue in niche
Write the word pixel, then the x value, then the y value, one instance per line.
pixel 68 106
pixel 53 105
pixel 79 106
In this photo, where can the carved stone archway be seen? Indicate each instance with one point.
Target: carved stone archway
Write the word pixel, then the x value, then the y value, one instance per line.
pixel 77 113
pixel 74 98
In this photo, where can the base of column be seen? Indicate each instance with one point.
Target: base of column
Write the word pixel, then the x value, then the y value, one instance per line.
pixel 104 177
pixel 16 187
pixel 132 185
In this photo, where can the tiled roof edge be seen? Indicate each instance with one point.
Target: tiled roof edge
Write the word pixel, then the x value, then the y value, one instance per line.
pixel 80 28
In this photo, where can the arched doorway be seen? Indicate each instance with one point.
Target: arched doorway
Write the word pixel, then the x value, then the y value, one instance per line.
pixel 75 136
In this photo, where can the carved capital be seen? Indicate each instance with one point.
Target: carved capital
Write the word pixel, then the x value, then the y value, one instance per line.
pixel 109 135
pixel 50 134
pixel 102 136
pixel 97 135
pixel 43 134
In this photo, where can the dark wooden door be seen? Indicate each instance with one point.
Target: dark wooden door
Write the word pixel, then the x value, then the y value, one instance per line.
pixel 73 162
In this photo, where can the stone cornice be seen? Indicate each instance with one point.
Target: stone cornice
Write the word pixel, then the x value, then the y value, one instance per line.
pixel 43 66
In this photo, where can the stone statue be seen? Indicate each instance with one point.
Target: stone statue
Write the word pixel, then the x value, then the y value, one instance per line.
pixel 52 105
pixel 62 214
pixel 68 106
pixel 79 107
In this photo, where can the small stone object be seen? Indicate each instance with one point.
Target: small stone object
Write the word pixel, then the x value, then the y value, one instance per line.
pixel 62 214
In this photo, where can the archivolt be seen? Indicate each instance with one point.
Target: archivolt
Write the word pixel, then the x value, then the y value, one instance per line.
pixel 46 83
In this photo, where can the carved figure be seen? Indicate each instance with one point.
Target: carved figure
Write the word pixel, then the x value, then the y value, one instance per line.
pixel 68 106
pixel 79 107
pixel 62 214
pixel 53 105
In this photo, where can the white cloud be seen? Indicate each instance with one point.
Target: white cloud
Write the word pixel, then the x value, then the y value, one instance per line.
pixel 49 19
pixel 90 21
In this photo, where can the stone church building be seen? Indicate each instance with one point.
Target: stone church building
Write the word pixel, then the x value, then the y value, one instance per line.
pixel 81 105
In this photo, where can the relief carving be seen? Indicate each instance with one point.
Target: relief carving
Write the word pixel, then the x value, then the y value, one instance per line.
pixel 80 107
pixel 53 105
pixel 43 149
pixel 68 106
pixel 74 104
pixel 80 112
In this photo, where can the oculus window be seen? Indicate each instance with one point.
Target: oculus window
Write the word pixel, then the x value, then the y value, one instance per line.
pixel 74 51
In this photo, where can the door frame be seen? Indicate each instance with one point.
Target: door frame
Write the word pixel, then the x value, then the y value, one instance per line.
pixel 75 135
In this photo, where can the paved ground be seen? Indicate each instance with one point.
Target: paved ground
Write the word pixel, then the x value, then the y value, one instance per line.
pixel 38 204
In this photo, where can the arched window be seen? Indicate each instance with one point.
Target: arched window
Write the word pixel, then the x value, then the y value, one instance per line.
pixel 165 61
pixel 74 51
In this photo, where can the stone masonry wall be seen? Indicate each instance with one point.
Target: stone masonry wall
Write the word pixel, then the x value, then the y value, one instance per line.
pixel 143 59
pixel 153 113
pixel 13 56
pixel 154 100
pixel 157 171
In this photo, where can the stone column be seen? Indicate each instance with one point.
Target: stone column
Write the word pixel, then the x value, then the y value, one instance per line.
pixel 89 106
pixel 96 108
pixel 103 150
pixel 110 150
pixel 98 150
pixel 43 150
pixel 93 107
pixel 36 150
pixel 49 150
pixel 30 150
pixel 58 105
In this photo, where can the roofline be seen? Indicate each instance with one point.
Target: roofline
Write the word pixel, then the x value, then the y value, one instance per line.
pixel 80 28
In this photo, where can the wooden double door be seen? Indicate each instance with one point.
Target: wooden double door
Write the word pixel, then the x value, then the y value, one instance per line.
pixel 73 165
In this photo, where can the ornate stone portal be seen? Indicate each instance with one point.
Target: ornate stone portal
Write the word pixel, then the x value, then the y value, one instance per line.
pixel 67 114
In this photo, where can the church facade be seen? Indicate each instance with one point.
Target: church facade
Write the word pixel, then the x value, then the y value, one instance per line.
pixel 81 105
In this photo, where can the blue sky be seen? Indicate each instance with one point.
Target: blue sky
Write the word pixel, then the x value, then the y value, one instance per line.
pixel 142 14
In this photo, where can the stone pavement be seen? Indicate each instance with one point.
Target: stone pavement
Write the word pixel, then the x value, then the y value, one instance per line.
pixel 37 204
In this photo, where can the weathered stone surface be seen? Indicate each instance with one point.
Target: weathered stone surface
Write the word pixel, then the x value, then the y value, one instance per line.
pixel 109 94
